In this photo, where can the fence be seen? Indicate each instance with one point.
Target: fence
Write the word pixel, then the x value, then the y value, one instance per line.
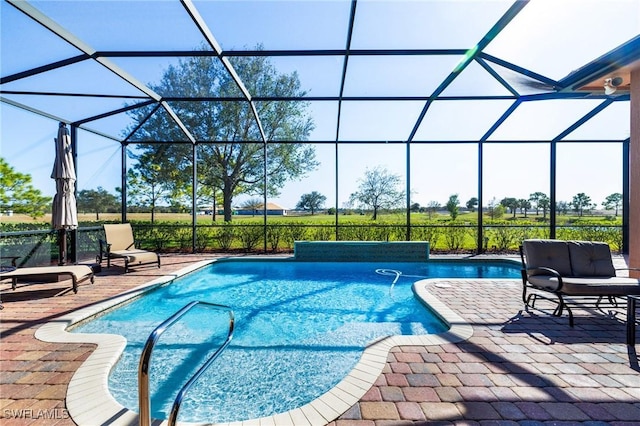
pixel 39 247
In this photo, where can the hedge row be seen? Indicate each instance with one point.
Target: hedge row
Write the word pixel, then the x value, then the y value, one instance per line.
pixel 40 247
pixel 498 236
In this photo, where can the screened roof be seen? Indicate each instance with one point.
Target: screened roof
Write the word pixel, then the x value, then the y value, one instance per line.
pixel 372 71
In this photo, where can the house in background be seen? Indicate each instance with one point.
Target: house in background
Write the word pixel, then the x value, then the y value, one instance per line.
pixel 273 209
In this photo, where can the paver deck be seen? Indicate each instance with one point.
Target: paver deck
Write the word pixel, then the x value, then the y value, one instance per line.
pixel 519 367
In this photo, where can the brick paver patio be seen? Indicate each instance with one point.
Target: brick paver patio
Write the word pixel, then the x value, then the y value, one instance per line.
pixel 519 367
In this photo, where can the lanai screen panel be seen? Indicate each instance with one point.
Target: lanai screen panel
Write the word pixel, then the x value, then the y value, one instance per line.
pixel 370 72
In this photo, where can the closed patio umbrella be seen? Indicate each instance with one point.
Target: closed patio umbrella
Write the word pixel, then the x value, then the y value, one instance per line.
pixel 65 214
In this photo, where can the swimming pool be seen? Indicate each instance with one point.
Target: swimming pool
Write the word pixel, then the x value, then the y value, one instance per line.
pixel 278 359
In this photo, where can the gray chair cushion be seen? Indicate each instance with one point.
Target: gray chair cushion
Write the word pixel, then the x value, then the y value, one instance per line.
pixel 588 286
pixel 552 254
pixel 544 282
pixel 600 286
pixel 590 259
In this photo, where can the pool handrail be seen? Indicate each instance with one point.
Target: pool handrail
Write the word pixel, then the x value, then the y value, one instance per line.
pixel 144 400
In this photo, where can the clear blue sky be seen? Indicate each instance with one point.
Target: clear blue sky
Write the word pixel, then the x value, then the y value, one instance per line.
pixel 549 37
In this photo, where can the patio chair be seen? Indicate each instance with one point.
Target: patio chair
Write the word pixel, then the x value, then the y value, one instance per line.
pixel 119 244
pixel 77 273
pixel 571 271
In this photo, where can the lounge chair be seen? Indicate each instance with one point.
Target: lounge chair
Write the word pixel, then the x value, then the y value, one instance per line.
pixel 77 273
pixel 571 269
pixel 119 244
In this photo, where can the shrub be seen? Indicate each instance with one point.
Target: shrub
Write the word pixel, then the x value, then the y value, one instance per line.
pixel 454 237
pixel 224 235
pixel 381 232
pixel 184 238
pixel 250 236
pixel 295 231
pixel 204 235
pixel 161 236
pixel 322 233
pixel 361 233
pixel 275 234
pixel 472 232
pixel 429 233
pixel 154 237
pixel 504 237
pixel 397 233
pixel 615 238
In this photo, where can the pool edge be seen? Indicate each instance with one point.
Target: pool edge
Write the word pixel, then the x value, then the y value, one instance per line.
pixel 89 401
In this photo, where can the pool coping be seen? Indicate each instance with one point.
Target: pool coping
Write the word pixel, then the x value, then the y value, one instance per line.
pixel 89 401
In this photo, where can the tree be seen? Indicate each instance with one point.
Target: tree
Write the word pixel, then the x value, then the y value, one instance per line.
pixel 581 201
pixel 97 201
pixel 312 202
pixel 472 204
pixel 511 204
pixel 208 195
pixel 613 201
pixel 254 205
pixel 432 208
pixel 524 205
pixel 536 198
pixel 545 205
pixel 452 206
pixel 148 181
pixel 18 194
pixel 378 190
pixel 495 210
pixel 541 201
pixel 231 161
pixel 563 207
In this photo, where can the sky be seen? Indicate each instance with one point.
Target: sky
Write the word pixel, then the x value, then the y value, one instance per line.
pixel 545 38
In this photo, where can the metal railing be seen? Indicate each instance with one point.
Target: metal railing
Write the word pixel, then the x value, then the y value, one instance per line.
pixel 39 247
pixel 144 400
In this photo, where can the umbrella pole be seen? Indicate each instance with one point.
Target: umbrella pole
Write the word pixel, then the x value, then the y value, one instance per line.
pixel 62 247
pixel 73 255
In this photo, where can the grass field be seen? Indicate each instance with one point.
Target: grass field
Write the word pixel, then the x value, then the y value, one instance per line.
pixel 317 219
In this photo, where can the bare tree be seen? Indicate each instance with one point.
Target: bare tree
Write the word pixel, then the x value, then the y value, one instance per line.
pixel 432 208
pixel 254 205
pixel 379 189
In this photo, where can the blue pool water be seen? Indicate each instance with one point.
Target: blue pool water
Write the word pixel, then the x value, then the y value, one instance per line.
pixel 300 328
